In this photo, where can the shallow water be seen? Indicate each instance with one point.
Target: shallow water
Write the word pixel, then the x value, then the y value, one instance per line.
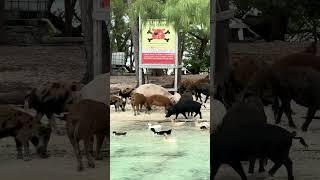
pixel 141 155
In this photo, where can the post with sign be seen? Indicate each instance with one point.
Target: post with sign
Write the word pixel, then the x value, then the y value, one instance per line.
pixel 158 47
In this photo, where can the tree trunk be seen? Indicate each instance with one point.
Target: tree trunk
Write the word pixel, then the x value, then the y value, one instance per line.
pixel 106 48
pixel 87 27
pixel 181 47
pixel 202 49
pixel 68 15
pixel 131 53
pixel 135 39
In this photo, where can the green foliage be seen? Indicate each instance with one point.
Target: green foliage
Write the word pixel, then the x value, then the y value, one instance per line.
pixel 191 17
pixel 191 55
pixel 150 9
pixel 304 15
pixel 120 28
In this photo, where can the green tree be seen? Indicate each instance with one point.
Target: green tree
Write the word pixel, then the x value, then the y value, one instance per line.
pixel 120 28
pixel 285 16
pixel 189 17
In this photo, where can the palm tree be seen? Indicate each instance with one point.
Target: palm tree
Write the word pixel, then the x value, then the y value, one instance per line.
pixel 190 17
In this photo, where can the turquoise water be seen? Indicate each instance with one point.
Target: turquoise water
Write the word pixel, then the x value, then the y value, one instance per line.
pixel 144 156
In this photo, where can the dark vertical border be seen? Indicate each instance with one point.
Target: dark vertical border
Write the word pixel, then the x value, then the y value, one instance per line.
pixel 212 66
pixel 106 46
pixel 106 66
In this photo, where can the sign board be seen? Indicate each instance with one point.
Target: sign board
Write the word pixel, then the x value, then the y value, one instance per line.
pixel 158 47
pixel 158 43
pixel 105 4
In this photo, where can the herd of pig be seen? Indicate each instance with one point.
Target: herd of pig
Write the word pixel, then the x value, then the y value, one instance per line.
pixel 149 95
pixel 84 118
pixel 244 134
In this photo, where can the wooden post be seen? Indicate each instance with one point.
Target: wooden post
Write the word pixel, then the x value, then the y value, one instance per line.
pixel 87 25
pixel 240 34
pixel 222 47
pixel 222 69
pixel 97 41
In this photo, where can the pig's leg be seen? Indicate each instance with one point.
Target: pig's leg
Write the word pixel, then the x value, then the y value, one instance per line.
pixel 91 144
pixel 261 164
pixel 177 115
pixel 100 138
pixel 199 95
pixel 279 115
pixel 134 110
pixel 310 115
pixel 275 167
pixel 207 97
pixel 200 114
pixel 184 114
pixel 287 111
pixel 288 164
pixel 19 148
pixel 76 149
pixel 26 156
pixel 138 109
pixel 239 169
pixel 115 107
pixel 86 142
pixel 196 114
pixel 251 165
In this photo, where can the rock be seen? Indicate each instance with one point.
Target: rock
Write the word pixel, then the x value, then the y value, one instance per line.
pixel 96 89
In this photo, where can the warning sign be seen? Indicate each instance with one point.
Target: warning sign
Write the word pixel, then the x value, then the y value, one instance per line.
pixel 158 43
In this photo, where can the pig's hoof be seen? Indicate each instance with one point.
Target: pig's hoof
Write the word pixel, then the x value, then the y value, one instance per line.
pixel 91 164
